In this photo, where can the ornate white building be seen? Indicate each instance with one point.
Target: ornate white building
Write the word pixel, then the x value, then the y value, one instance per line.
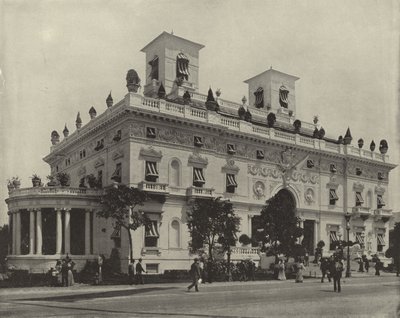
pixel 175 142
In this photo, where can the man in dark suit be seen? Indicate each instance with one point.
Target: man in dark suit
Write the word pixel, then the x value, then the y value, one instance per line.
pixel 139 271
pixel 336 269
pixel 195 274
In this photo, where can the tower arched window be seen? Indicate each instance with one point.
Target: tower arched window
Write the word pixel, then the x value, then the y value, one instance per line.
pixel 174 173
pixel 175 234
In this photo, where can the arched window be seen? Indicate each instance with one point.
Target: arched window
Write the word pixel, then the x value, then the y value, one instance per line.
pixel 175 237
pixel 174 173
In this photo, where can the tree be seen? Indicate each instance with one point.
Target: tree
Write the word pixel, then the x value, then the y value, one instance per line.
pixel 119 204
pixel 278 227
pixel 210 221
pixel 4 242
pixel 395 248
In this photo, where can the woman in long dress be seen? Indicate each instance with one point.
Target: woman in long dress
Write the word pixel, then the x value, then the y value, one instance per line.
pixel 281 268
pixel 70 266
pixel 300 270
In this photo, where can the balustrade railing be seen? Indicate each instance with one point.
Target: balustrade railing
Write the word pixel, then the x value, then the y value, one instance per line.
pixel 54 190
pixel 153 187
pixel 245 250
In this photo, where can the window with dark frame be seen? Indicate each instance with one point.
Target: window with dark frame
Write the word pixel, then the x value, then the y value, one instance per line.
pixel 100 178
pixel 151 132
pixel 198 177
pixel 359 199
pixel 310 163
pixel 154 68
pixel 333 197
pixel 260 154
pixel 332 168
pixel 151 234
pixel 259 98
pixel 380 242
pixel 360 238
pixel 231 149
pixel 116 237
pixel 198 141
pixel 231 183
pixel 117 175
pixel 333 239
pixel 151 173
pixel 380 203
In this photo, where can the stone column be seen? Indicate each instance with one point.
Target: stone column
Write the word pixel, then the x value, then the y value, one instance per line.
pixel 87 232
pixel 95 249
pixel 12 214
pixel 67 232
pixel 31 231
pixel 18 233
pixel 58 231
pixel 39 235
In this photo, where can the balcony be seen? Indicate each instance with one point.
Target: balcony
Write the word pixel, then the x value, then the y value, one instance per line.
pixel 54 191
pixel 383 214
pixel 200 192
pixel 154 187
pixel 361 212
pixel 242 252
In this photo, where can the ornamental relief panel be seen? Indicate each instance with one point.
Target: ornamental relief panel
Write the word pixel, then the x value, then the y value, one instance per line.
pixel 265 171
pixel 366 172
pixel 136 130
pixel 326 167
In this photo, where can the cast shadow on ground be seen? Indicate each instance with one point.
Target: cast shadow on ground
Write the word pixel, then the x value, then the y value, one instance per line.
pixel 94 295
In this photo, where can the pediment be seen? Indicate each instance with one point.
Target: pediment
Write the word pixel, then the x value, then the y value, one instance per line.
pixel 99 162
pixel 380 190
pixel 230 167
pixel 197 160
pixel 150 154
pixel 117 154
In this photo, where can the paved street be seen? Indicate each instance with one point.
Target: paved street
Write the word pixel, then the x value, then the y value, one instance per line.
pixel 367 296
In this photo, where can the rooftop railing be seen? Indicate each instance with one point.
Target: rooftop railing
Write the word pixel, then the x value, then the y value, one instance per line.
pixel 56 190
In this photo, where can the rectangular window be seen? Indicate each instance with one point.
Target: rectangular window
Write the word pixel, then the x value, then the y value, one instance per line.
pixel 151 171
pixel 359 199
pixel 154 68
pixel 198 141
pixel 152 268
pixel 100 145
pixel 80 154
pixel 381 242
pixel 151 132
pixel 332 167
pixel 230 183
pixel 332 197
pixel 118 135
pixel 231 149
pixel 380 176
pixel 260 154
pixel 333 239
pixel 358 171
pixel 310 163
pixel 380 202
pixel 84 153
pixel 259 95
pixel 151 234
pixel 198 177
pixel 117 175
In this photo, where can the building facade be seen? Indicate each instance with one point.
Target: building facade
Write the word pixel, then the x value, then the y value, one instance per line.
pixel 179 144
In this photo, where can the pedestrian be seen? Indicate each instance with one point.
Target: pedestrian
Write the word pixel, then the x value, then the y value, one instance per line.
pixel 59 273
pixel 139 272
pixel 336 269
pixel 131 271
pixel 325 269
pixel 366 263
pixel 195 275
pixel 242 271
pixel 299 274
pixel 202 270
pixel 100 260
pixel 306 258
pixel 361 265
pixel 64 273
pixel 377 266
pixel 281 270
pixel 70 275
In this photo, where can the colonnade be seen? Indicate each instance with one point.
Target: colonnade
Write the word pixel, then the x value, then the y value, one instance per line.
pixel 36 231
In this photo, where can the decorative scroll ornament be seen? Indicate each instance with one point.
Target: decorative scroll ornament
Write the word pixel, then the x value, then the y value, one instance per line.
pixel 182 66
pixel 283 96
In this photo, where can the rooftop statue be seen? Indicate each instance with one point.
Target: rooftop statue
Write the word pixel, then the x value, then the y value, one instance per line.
pixel 132 81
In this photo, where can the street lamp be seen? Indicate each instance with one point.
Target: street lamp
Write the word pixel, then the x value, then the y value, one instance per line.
pixel 347 216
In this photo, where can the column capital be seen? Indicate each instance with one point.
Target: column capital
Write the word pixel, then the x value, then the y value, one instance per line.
pixel 67 209
pixel 37 209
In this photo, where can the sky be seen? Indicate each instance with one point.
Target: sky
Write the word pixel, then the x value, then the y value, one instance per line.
pixel 59 57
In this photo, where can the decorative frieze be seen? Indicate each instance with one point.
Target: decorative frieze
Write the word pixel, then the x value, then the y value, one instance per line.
pixel 297 176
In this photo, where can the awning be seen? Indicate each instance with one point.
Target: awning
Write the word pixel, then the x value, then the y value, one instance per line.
pixel 332 195
pixel 359 198
pixel 154 61
pixel 182 56
pixel 151 229
pixel 359 238
pixel 182 66
pixel 380 200
pixel 381 240
pixel 230 180
pixel 333 236
pixel 116 233
pixel 198 175
pixel 151 169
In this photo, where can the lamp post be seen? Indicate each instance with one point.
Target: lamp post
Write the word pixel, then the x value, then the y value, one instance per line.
pixel 347 217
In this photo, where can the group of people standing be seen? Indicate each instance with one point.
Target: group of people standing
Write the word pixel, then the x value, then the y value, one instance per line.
pixel 62 274
pixel 298 268
pixel 332 268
